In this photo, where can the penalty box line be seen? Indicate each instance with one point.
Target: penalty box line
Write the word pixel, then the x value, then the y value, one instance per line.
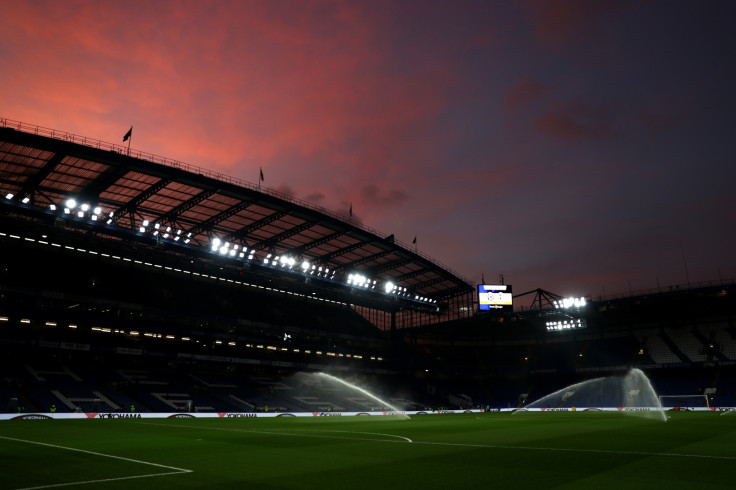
pixel 176 471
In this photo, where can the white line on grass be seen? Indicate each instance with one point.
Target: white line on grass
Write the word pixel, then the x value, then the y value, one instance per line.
pixel 175 472
pixel 301 433
pixel 455 444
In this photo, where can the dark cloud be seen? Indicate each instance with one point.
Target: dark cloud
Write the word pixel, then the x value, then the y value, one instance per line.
pixel 660 122
pixel 563 22
pixel 315 198
pixel 388 198
pixel 285 189
pixel 577 121
pixel 525 94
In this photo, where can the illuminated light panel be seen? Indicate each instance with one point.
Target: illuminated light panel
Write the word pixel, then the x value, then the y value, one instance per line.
pixel 566 325
pixel 572 302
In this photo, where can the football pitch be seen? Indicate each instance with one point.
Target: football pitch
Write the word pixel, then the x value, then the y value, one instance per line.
pixel 487 450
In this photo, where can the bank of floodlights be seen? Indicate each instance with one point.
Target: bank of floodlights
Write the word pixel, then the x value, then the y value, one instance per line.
pixel 568 303
pixel 310 269
pixel 159 231
pixel 395 289
pixel 389 287
pixel 227 249
pixel 9 196
pixel 566 325
pixel 83 211
pixel 360 281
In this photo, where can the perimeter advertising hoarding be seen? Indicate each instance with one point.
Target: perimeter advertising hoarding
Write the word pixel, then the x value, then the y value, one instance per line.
pixel 495 297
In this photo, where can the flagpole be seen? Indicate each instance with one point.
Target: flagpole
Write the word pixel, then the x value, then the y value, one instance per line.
pixel 128 137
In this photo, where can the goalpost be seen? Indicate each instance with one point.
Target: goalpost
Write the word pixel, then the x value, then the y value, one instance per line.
pixel 669 401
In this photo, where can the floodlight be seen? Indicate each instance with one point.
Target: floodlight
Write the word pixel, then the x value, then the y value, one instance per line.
pixel 94 217
pixel 80 214
pixel 223 249
pixel 168 229
pixel 232 252
pixel 25 200
pixel 157 226
pixel 145 222
pixel 85 207
pixel 9 195
pixel 142 229
pixel 389 286
pixel 186 240
pixel 52 207
pixel 109 221
pixel 98 210
pixel 71 203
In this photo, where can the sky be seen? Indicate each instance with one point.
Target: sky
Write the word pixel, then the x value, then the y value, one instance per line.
pixel 581 147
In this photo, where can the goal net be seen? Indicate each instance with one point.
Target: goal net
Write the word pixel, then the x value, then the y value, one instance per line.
pixel 684 401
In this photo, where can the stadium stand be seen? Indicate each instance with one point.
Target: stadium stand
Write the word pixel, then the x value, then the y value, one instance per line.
pixel 98 316
pixel 660 350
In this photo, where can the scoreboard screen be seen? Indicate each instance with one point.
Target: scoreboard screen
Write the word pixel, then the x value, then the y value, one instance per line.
pixel 495 297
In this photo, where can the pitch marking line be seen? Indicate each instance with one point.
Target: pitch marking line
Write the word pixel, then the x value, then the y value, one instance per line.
pixel 297 433
pixel 176 471
pixel 429 443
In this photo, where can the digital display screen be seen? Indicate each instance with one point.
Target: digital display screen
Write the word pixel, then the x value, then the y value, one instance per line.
pixel 495 297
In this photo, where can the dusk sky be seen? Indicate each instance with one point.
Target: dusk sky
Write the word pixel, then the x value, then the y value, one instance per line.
pixel 582 147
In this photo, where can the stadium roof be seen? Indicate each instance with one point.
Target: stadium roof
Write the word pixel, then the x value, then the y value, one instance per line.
pixel 46 168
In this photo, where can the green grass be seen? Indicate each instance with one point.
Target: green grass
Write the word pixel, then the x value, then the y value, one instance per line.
pixel 498 450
